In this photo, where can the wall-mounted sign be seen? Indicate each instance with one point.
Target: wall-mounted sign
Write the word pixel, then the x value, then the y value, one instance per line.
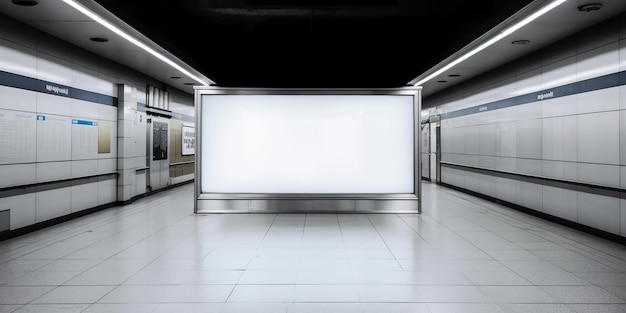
pixel 189 140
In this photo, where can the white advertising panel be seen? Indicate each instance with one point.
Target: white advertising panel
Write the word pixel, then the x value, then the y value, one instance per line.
pixel 307 144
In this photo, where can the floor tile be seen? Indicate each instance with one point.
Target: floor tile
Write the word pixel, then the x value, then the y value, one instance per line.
pixel 461 255
pixel 74 294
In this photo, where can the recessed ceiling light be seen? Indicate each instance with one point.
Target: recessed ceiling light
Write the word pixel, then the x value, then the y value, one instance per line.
pixel 99 39
pixel 454 75
pixel 25 3
pixel 520 42
pixel 590 7
pixel 175 77
pixel 442 81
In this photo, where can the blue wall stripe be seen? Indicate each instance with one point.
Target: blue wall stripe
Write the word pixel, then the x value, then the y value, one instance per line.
pixel 37 85
pixel 593 84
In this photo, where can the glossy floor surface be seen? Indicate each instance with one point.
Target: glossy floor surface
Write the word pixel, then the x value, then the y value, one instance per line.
pixel 463 254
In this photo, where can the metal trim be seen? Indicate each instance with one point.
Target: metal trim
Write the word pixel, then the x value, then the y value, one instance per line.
pixel 243 201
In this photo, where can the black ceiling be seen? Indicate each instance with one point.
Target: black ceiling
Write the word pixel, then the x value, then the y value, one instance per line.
pixel 312 43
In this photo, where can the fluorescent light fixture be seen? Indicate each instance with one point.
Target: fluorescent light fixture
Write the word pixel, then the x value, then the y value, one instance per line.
pixel 132 39
pixel 493 40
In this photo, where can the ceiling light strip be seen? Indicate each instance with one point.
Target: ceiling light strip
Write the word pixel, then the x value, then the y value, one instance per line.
pixel 493 40
pixel 133 40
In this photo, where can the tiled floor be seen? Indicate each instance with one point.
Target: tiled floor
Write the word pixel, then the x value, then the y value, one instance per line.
pixel 463 254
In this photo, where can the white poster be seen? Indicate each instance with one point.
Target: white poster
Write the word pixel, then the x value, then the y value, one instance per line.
pixel 18 138
pixel 84 139
pixel 54 138
pixel 189 140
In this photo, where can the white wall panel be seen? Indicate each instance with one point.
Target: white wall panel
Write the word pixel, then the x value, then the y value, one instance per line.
pixel 506 164
pixel 487 139
pixel 107 112
pixel 17 59
pixel 107 84
pixel 446 157
pixel 490 162
pixel 622 54
pixel 528 82
pixel 487 185
pixel 17 174
pixel 599 174
pixel 471 140
pixel 504 88
pixel 567 171
pixel 140 183
pixel 597 62
pixel 623 217
pixel 598 101
pixel 84 109
pixel 452 176
pixel 107 165
pixel 530 195
pixel 506 189
pixel 53 203
pixel 532 167
pixel 529 138
pixel 560 73
pixel 82 168
pixel 84 196
pixel 622 97
pixel 23 209
pixel 599 211
pixel 562 106
pixel 53 69
pixel 51 171
pixel 107 191
pixel 471 159
pixel 506 139
pixel 598 138
pixel 17 99
pixel 560 202
pixel 85 78
pixel 456 136
pixel 622 135
pixel 559 141
pixel 51 104
pixel 622 171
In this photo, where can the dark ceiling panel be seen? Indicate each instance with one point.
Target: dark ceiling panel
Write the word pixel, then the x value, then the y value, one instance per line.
pixel 323 43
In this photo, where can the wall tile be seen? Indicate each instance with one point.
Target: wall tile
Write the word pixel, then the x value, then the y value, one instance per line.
pixel 598 138
pixel 53 69
pixel 530 195
pixel 567 171
pixel 598 101
pixel 17 174
pixel 84 196
pixel 601 212
pixel 53 203
pixel 529 138
pixel 17 59
pixel 560 202
pixel 559 141
pixel 597 62
pixel 107 191
pixel 599 174
pixel 51 171
pixel 17 99
pixel 23 209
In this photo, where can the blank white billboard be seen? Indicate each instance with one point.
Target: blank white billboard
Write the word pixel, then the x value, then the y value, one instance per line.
pixel 307 144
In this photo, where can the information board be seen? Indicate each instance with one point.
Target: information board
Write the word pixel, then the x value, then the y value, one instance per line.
pixel 18 137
